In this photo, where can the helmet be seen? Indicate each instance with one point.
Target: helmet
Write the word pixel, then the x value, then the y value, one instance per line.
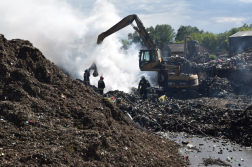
pixel 86 70
pixel 101 78
pixel 143 77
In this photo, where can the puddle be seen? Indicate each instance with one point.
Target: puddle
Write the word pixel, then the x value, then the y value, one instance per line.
pixel 206 147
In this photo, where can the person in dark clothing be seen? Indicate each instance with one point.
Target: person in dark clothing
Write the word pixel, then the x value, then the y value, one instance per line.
pixel 143 87
pixel 86 77
pixel 101 85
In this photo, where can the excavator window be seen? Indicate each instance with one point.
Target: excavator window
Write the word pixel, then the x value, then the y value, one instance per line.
pixel 159 54
pixel 146 56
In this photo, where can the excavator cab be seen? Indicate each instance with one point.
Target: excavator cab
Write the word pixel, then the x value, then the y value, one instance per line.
pixel 146 57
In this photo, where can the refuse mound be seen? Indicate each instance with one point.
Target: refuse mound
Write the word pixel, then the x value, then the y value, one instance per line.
pixel 193 116
pixel 222 87
pixel 47 118
pixel 215 87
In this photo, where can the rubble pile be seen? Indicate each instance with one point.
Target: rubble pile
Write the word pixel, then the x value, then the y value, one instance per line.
pixel 193 116
pixel 215 87
pixel 235 68
pixel 176 60
pixel 223 88
pixel 47 118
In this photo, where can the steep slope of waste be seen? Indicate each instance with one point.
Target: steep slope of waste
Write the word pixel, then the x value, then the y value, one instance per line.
pixel 47 118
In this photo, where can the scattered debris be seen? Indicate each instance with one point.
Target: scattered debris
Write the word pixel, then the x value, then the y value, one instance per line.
pixel 202 116
pixel 219 162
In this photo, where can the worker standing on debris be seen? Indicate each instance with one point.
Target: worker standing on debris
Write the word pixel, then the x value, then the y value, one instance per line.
pixel 143 87
pixel 86 77
pixel 101 85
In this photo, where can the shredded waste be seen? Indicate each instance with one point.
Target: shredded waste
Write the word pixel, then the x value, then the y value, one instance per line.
pixel 48 118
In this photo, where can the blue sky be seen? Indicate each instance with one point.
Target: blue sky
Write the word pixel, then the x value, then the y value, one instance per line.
pixel 210 15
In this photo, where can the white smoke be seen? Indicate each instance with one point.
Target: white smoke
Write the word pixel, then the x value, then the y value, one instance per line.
pixel 68 38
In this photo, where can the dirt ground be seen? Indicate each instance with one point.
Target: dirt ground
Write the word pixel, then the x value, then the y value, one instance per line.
pixel 49 119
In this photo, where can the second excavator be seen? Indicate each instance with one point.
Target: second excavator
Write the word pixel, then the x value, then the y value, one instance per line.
pixel 153 58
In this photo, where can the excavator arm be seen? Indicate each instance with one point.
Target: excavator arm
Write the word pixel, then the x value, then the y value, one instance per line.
pixel 148 62
pixel 140 29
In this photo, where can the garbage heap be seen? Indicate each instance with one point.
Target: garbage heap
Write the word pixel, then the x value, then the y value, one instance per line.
pixel 215 87
pixel 194 116
pixel 222 87
pixel 47 118
pixel 176 60
pixel 238 67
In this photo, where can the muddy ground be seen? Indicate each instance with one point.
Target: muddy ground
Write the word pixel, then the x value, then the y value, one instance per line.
pixel 49 119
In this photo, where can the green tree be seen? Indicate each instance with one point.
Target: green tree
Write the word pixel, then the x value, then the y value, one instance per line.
pixel 221 41
pixel 210 41
pixel 186 30
pixel 151 31
pixel 135 37
pixel 163 33
pixel 212 56
pixel 214 42
pixel 125 44
pixel 247 26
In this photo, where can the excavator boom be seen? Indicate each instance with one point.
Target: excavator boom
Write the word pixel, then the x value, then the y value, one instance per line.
pixel 125 22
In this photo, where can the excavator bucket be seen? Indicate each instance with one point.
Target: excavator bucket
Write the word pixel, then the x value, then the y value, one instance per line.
pixel 93 67
pixel 95 73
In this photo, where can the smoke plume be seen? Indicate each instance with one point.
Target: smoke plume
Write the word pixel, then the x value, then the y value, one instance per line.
pixel 67 37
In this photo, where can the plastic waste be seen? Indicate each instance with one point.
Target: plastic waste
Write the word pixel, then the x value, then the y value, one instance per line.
pixel 229 159
pixel 163 99
pixel 185 142
pixel 129 116
pixel 189 145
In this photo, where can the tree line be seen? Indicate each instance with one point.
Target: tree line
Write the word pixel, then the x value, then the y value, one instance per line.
pixel 165 34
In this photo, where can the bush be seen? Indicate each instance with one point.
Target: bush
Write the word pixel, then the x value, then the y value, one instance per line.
pixel 212 56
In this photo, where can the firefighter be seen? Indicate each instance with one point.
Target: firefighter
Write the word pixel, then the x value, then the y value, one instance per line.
pixel 101 85
pixel 86 77
pixel 143 87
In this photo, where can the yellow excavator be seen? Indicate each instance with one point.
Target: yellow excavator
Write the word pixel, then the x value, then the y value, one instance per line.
pixel 151 59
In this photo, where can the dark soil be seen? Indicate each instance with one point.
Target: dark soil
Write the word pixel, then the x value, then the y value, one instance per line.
pixel 49 119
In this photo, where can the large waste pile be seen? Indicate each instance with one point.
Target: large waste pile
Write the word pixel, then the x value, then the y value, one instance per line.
pixel 216 117
pixel 223 87
pixel 48 118
pixel 236 68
